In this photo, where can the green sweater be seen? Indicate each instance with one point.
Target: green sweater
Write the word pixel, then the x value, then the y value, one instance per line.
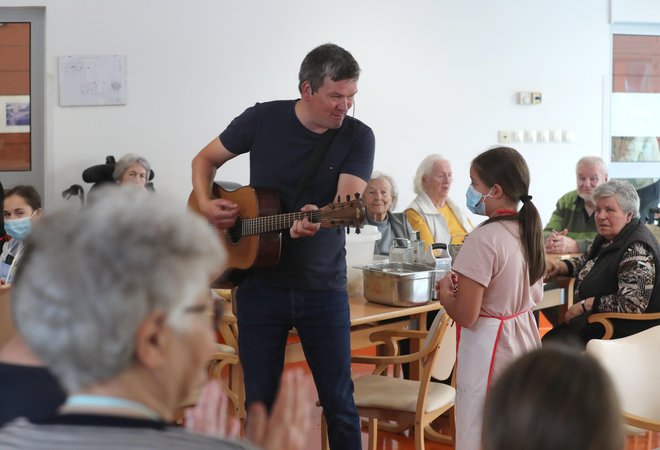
pixel 571 214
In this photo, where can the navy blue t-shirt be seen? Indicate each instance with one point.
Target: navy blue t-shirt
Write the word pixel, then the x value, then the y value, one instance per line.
pixel 28 391
pixel 280 147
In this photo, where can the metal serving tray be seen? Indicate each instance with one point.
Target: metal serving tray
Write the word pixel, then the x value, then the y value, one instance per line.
pixel 399 284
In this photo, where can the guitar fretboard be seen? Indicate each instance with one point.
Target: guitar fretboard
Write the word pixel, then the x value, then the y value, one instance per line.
pixel 276 222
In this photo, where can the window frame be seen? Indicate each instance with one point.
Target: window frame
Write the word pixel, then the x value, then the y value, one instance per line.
pixel 624 169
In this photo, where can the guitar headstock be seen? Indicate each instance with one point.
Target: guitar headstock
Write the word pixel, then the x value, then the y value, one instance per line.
pixel 350 213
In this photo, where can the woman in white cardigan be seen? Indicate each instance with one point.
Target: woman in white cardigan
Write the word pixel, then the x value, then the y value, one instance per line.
pixel 432 212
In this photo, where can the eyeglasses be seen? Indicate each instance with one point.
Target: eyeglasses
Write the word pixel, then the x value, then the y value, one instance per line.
pixel 213 308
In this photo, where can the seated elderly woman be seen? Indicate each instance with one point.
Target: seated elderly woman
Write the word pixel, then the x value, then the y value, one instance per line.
pixel 380 198
pixel 132 168
pixel 21 210
pixel 553 398
pixel 618 272
pixel 432 212
pixel 119 310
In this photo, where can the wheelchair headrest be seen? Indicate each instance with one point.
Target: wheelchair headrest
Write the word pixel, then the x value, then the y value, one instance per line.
pixel 102 173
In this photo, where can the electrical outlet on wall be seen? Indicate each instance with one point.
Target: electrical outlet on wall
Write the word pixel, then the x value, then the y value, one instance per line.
pixel 504 136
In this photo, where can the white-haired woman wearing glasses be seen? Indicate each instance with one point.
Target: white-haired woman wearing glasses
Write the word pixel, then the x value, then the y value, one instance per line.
pixel 115 299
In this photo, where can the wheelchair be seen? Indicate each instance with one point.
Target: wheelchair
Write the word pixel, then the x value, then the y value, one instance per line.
pixel 99 175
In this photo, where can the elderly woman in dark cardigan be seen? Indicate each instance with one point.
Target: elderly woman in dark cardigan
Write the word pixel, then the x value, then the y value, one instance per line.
pixel 620 271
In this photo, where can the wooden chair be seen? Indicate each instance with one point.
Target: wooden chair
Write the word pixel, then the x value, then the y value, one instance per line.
pixel 226 356
pixel 7 329
pixel 407 402
pixel 633 365
pixel 605 319
pixel 223 356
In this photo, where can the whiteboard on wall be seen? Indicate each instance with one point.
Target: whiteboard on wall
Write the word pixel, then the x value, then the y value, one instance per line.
pixel 96 80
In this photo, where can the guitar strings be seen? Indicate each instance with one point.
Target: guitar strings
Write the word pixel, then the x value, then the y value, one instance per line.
pixel 256 225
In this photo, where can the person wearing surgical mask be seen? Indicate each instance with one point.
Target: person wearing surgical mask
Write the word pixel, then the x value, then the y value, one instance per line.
pixel 495 283
pixel 21 210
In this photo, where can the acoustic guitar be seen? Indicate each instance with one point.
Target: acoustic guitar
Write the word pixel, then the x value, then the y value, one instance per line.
pixel 255 240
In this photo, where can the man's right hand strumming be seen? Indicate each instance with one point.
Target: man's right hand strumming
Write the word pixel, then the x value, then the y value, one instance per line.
pixel 220 212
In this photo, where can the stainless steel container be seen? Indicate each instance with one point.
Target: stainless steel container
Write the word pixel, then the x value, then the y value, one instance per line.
pixel 399 284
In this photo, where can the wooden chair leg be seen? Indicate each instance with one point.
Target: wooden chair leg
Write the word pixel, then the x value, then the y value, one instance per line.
pixel 448 438
pixel 325 444
pixel 419 437
pixel 236 383
pixel 373 433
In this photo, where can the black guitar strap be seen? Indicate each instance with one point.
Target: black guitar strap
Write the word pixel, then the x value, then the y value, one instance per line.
pixel 319 152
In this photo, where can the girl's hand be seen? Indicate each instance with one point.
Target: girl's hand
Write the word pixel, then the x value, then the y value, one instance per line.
pixel 447 287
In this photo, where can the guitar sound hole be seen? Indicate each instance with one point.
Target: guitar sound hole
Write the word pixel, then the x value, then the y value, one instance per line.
pixel 234 233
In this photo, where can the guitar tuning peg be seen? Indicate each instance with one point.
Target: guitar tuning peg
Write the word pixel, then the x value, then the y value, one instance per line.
pixel 358 231
pixel 357 196
pixel 348 230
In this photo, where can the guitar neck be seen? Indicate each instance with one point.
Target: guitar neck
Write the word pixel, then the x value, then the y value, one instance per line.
pixel 276 222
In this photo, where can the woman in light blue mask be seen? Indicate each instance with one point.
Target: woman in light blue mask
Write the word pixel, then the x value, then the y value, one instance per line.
pixel 21 210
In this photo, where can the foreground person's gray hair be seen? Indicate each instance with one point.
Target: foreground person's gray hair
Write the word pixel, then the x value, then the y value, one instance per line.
pixel 89 277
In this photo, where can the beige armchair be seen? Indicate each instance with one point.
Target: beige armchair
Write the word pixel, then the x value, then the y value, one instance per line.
pixel 633 365
pixel 408 403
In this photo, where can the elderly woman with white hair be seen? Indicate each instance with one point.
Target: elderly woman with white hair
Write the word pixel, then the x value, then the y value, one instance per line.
pixel 619 272
pixel 115 299
pixel 432 212
pixel 380 198
pixel 132 168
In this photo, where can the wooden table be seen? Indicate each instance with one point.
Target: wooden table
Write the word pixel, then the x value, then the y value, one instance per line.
pixel 368 317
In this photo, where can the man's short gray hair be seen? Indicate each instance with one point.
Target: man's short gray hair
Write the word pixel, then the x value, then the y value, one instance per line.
pixel 90 276
pixel 424 168
pixel 623 192
pixel 394 189
pixel 127 161
pixel 592 161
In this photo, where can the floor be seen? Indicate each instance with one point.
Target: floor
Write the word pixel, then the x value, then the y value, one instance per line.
pixel 391 441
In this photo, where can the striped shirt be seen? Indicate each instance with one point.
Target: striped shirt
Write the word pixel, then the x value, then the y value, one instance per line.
pixel 78 432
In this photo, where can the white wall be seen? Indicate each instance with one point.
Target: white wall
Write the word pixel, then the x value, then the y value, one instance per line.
pixel 438 76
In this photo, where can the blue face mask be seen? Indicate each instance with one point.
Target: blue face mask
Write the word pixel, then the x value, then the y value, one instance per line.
pixel 18 228
pixel 473 200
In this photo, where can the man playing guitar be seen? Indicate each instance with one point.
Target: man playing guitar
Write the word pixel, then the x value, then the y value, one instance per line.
pixel 307 289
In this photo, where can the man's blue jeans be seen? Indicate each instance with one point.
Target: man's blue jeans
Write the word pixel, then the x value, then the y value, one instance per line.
pixel 265 316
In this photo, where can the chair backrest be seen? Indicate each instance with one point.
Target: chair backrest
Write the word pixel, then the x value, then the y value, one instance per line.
pixel 649 196
pixel 633 365
pixel 446 357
